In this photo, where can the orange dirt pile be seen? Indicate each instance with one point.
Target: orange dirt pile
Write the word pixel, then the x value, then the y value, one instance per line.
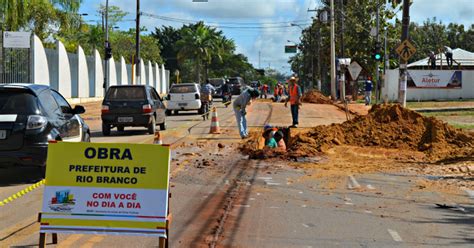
pixel 314 96
pixel 389 126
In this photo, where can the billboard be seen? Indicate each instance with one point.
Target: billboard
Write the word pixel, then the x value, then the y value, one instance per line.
pixel 106 189
pixel 434 79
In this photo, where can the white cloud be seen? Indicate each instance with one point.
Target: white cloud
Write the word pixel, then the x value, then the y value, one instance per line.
pixel 456 11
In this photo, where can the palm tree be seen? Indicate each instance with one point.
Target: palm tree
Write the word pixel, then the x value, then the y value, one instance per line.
pixel 198 43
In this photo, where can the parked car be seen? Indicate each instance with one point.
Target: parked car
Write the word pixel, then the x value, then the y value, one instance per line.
pixel 30 116
pixel 236 85
pixel 217 83
pixel 255 84
pixel 132 106
pixel 184 97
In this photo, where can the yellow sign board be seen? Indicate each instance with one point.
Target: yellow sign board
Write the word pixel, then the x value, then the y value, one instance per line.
pixel 106 188
pixel 406 50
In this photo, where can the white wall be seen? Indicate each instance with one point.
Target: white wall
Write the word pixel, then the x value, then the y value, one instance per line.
pixel 149 70
pixel 40 71
pixel 83 74
pixel 99 75
pixel 112 72
pixel 64 71
pixel 142 73
pixel 123 72
pixel 390 89
pixel 156 71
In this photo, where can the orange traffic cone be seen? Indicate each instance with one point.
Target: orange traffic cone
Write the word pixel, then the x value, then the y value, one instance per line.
pixel 158 140
pixel 215 129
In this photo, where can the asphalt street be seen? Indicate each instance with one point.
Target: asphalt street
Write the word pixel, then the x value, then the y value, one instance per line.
pixel 237 202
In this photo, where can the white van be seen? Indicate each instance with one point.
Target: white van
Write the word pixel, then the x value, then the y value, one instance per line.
pixel 183 97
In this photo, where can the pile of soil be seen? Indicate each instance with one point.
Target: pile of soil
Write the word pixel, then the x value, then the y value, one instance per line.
pixel 389 126
pixel 314 96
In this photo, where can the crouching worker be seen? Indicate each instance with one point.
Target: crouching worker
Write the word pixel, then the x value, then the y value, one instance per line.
pixel 274 138
pixel 240 105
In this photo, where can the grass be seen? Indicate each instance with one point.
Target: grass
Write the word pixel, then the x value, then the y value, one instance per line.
pixel 460 103
pixel 463 126
pixel 450 113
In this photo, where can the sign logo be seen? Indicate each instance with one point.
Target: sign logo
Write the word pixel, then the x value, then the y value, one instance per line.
pixel 63 201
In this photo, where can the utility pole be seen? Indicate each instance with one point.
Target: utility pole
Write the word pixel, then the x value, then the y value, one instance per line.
pixel 137 46
pixel 107 46
pixel 259 57
pixel 342 77
pixel 402 87
pixel 377 38
pixel 333 55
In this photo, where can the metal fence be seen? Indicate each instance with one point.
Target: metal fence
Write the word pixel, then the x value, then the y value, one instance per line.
pixel 14 64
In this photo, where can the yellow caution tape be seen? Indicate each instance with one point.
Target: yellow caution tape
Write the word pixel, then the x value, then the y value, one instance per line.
pixel 21 193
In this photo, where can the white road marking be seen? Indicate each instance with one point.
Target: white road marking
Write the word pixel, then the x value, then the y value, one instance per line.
pixel 395 236
pixel 368 211
pixel 273 207
pixel 301 192
pixel 272 183
pixel 370 186
pixel 264 178
pixel 470 193
pixel 252 199
pixel 303 206
pixel 352 183
pixel 242 206
pixel 305 225
pixel 349 203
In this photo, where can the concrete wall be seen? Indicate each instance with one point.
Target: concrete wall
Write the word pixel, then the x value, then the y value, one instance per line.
pixel 156 72
pixel 163 80
pixel 83 74
pixel 390 89
pixel 64 71
pixel 167 82
pixel 112 72
pixel 98 75
pixel 40 70
pixel 123 72
pixel 76 75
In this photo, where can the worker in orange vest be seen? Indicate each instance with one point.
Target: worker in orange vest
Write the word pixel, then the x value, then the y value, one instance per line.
pixel 294 99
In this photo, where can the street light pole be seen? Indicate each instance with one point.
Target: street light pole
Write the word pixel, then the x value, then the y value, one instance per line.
pixel 137 45
pixel 107 45
pixel 333 55
pixel 402 86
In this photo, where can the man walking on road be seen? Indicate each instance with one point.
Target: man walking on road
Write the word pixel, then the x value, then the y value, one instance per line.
pixel 295 100
pixel 240 105
pixel 368 91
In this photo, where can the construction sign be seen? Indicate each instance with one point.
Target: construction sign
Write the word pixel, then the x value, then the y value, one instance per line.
pixel 406 50
pixel 106 189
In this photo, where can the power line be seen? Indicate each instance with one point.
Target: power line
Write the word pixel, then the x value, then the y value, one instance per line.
pixel 276 25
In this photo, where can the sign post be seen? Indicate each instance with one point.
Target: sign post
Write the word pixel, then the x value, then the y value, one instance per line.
pixel 112 189
pixel 354 70
pixel 290 49
pixel 16 39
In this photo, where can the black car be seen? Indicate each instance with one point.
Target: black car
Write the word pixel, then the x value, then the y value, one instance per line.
pixel 236 85
pixel 132 106
pixel 30 116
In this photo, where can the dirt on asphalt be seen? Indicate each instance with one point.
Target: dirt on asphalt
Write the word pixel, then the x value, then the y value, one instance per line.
pixel 314 96
pixel 389 126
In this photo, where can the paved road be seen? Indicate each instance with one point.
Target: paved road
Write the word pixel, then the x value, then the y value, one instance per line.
pixel 236 202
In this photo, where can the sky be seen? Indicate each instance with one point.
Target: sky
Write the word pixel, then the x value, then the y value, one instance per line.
pixel 267 22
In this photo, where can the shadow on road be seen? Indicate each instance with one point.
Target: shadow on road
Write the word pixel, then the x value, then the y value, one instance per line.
pixel 19 175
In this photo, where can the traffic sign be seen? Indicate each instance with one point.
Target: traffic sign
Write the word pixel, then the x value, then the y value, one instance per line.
pixel 354 70
pixel 406 50
pixel 290 49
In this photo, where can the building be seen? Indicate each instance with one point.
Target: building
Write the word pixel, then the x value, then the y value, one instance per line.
pixel 441 83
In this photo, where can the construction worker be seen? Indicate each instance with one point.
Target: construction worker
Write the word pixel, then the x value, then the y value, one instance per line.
pixel 368 90
pixel 240 105
pixel 295 100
